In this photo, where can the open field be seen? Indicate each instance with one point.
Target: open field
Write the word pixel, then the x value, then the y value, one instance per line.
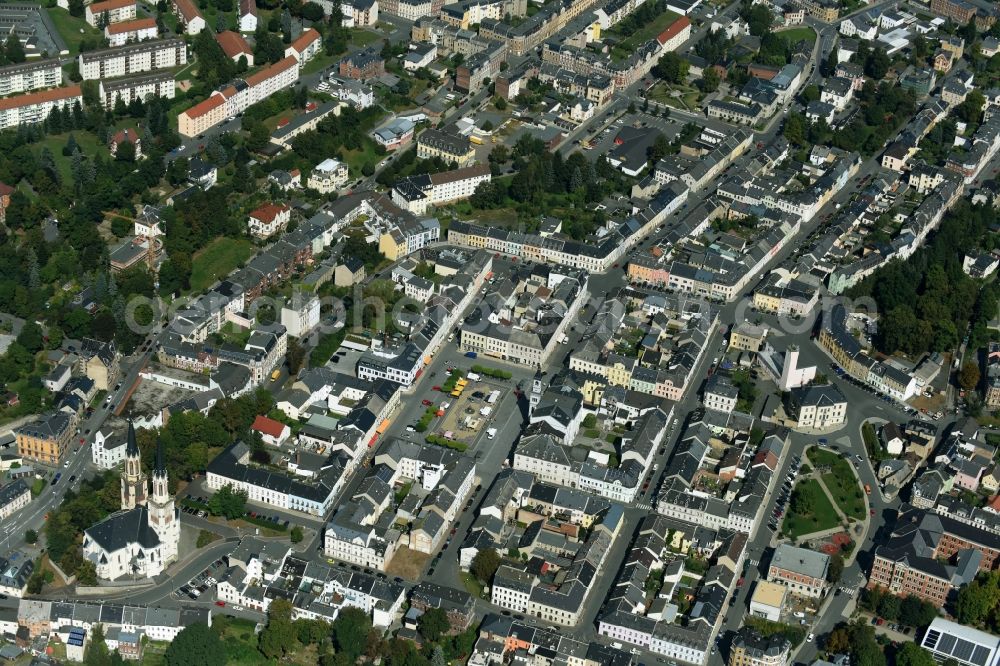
pixel 216 260
pixel 69 28
pixel 796 35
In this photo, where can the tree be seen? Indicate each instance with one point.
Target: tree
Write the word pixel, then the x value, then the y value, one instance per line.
pixel 437 657
pixel 810 93
pixel 278 637
pixel 204 538
pixel 296 534
pixel 500 103
pixel 970 108
pixel 672 68
pixel 915 612
pixel 802 502
pixel 836 568
pixel 228 502
pixel 838 641
pixel 968 376
pixel 86 573
pixel 710 80
pixel 485 564
pixel 31 537
pixel 911 654
pixel 196 645
pixel 97 653
pixel 13 49
pixel 296 356
pixel 888 606
pixel 631 107
pixel 433 624
pixel 350 633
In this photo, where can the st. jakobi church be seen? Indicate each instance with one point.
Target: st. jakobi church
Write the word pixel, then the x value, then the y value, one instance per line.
pixel 142 538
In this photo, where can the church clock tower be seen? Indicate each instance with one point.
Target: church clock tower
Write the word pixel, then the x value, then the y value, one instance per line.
pixel 162 512
pixel 133 478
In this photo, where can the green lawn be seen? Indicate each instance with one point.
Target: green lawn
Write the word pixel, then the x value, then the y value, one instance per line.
pixel 356 159
pixel 216 261
pixel 88 146
pixel 364 37
pixel 796 35
pixel 630 44
pixel 69 28
pixel 822 515
pixel 319 62
pixel 840 481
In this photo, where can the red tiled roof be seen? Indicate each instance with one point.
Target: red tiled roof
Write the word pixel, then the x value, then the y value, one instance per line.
pixel 187 10
pixel 128 26
pixel 99 8
pixel 267 426
pixel 268 212
pixel 128 134
pixel 5 189
pixel 305 39
pixel 232 43
pixel 674 29
pixel 248 7
pixel 39 97
pixel 203 107
pixel 273 70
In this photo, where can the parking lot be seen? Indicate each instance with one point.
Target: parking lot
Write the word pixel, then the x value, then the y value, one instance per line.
pixel 187 506
pixel 203 582
pixel 784 494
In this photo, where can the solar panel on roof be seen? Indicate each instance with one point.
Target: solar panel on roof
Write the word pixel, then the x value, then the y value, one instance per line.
pixel 979 655
pixel 931 639
pixel 947 643
pixel 963 650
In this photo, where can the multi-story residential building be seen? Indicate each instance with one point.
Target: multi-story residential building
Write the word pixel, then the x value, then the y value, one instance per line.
pixel 188 16
pixel 13 497
pixel 46 440
pixel 100 362
pixel 400 366
pixel 266 220
pixel 144 87
pixel 284 490
pixel 139 30
pixel 248 15
pixel 818 407
pixel 238 97
pixel 959 11
pixel 720 394
pixel 406 236
pixel 132 59
pixel 750 648
pixel 803 571
pixel 28 76
pixel 417 193
pixel 305 46
pixel 35 107
pixel 235 46
pixel 449 146
pixel 991 376
pixel 363 65
pixel 471 75
pixel 108 12
pixel 328 176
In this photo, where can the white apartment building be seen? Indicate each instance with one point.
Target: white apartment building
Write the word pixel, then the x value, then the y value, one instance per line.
pixel 28 76
pixel 132 59
pixel 364 547
pixel 416 193
pixel 116 11
pixel 511 589
pixel 145 87
pixel 305 46
pixel 720 394
pixel 139 30
pixel 268 219
pixel 301 318
pixel 107 453
pixel 818 406
pixel 233 100
pixel 328 176
pixel 35 107
pixel 13 497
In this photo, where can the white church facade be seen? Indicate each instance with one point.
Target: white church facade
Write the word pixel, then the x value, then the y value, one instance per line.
pixel 142 538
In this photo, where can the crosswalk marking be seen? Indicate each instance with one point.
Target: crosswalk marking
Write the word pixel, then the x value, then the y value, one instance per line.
pixel 645 506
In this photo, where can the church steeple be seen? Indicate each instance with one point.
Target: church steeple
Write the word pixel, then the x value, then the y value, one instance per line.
pixel 161 468
pixel 133 479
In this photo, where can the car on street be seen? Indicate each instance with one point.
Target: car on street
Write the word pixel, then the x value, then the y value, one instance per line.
pixel 810 638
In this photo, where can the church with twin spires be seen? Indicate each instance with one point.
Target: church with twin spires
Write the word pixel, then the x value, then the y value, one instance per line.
pixel 142 538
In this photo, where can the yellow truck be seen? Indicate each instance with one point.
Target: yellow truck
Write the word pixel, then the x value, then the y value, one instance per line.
pixel 275 375
pixel 476 140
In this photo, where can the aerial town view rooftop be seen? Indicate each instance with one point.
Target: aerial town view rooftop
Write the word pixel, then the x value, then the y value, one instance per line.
pixel 500 332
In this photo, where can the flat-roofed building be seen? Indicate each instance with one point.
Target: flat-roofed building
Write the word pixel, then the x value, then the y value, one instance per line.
pixel 28 76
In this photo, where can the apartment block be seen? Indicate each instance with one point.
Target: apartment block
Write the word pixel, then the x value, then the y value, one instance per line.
pixel 132 59
pixel 111 11
pixel 139 30
pixel 35 107
pixel 145 87
pixel 28 76
pixel 46 440
pixel 237 97
pixel 417 193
